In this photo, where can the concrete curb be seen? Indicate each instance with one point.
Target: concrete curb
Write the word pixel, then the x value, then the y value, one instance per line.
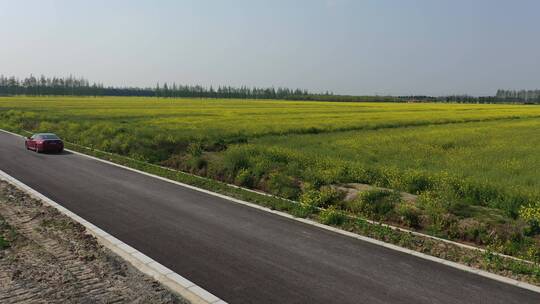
pixel 175 282
pixel 455 265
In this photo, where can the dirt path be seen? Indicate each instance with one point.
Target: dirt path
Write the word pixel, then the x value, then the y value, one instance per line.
pixel 352 190
pixel 50 259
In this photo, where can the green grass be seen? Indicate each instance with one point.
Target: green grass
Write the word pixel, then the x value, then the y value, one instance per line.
pixel 473 166
pixel 5 231
pixel 3 243
pixel 496 162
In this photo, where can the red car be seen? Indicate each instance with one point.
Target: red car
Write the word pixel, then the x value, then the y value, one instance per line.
pixel 44 142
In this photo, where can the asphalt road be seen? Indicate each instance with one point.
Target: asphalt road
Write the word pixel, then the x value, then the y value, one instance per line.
pixel 241 254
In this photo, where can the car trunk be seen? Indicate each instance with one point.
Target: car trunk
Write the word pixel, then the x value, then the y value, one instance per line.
pixel 52 143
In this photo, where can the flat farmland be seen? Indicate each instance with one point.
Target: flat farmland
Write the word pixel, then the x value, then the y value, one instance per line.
pixel 503 153
pixel 221 118
pixel 474 169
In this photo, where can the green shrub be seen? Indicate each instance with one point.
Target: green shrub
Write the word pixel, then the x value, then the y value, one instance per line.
pixel 530 212
pixel 236 159
pixel 282 185
pixel 515 244
pixel 175 162
pixel 533 254
pixel 302 210
pixel 375 203
pixel 216 169
pixel 323 198
pixel 329 197
pixel 332 216
pixel 195 149
pixel 477 233
pixel 440 210
pixel 408 215
pixel 195 163
pixel 310 197
pixel 3 243
pixel 245 178
pixel 262 166
pixel 217 145
pixel 432 203
pixel 531 215
pixel 417 182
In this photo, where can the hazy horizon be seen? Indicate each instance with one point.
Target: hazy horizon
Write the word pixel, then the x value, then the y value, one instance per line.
pixel 347 47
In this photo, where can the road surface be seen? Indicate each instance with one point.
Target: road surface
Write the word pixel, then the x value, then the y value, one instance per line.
pixel 238 253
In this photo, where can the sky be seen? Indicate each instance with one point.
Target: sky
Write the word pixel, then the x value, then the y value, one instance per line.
pixel 383 47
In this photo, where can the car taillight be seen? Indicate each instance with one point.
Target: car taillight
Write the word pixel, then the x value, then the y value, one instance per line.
pixel 39 142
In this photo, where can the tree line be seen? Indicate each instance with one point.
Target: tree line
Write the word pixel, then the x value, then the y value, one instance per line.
pixel 527 96
pixel 82 87
pixel 77 86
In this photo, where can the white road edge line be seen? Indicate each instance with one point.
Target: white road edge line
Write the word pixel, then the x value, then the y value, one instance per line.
pixel 172 280
pixel 455 265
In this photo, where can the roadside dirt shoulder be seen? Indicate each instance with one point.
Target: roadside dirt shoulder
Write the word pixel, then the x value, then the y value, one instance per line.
pixel 46 257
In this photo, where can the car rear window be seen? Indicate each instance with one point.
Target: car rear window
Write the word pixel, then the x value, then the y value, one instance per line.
pixel 48 136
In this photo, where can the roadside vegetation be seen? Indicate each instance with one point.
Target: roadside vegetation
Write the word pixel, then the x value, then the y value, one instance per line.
pixel 4 243
pixel 472 170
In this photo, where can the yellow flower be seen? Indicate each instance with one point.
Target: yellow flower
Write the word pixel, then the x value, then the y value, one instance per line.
pixel 531 212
